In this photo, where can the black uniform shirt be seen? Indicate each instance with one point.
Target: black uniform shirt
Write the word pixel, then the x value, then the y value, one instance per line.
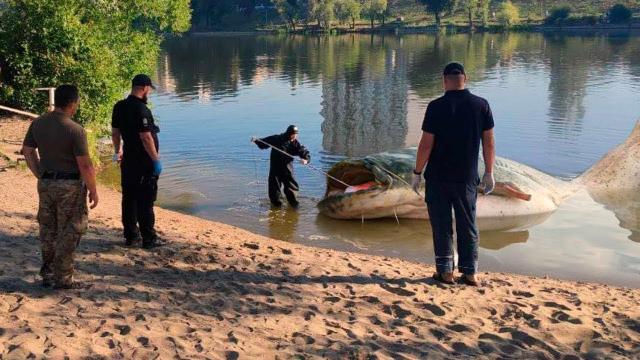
pixel 132 117
pixel 278 160
pixel 457 121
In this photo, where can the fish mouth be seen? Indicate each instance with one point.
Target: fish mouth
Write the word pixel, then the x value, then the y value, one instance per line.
pixel 356 177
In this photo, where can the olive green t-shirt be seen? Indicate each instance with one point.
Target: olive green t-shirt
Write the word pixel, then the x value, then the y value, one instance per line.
pixel 58 140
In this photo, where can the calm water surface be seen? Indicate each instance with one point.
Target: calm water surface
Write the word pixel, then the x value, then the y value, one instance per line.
pixel 560 103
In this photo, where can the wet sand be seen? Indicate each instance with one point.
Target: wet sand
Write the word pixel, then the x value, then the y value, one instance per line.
pixel 217 291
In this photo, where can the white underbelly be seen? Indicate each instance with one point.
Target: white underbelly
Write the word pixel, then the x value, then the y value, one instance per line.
pixel 493 212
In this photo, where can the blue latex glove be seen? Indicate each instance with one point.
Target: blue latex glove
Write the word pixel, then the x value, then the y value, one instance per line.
pixel 157 167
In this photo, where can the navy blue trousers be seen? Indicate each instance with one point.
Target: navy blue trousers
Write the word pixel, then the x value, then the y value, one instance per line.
pixel 441 199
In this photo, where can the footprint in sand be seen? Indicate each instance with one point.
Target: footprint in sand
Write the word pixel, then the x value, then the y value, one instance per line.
pixel 232 355
pixel 332 299
pixel 396 310
pixel 458 328
pixel 309 315
pixel 370 299
pixel 232 338
pixel 144 341
pixel 435 309
pixel 438 334
pixel 561 316
pixel 303 338
pixel 556 305
pixel 375 321
pixel 124 329
pixel 397 291
pixel 522 293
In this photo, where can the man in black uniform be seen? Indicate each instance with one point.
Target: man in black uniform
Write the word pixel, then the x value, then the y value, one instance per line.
pixel 453 128
pixel 140 166
pixel 281 170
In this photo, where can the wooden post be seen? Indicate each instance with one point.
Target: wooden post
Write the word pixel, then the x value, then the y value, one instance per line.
pixel 52 101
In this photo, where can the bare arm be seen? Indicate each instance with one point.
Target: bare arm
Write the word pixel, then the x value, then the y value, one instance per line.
pixel 149 145
pixel 116 140
pixel 88 174
pixel 33 161
pixel 488 150
pixel 424 151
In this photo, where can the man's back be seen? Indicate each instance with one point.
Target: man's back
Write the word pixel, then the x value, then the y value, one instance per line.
pixel 457 121
pixel 59 140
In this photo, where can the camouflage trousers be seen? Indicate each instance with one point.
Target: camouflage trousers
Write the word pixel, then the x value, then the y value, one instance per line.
pixel 63 217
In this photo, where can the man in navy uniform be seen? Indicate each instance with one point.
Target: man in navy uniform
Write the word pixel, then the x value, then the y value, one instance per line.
pixel 454 127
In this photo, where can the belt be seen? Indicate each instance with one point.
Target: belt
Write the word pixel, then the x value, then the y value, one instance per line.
pixel 55 175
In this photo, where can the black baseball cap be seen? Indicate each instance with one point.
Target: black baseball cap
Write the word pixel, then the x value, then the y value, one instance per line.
pixel 142 80
pixel 292 129
pixel 453 68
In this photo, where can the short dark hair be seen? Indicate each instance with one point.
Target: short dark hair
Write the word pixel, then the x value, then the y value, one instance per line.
pixel 65 95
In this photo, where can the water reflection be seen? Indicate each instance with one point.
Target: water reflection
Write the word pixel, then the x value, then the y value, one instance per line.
pixel 378 234
pixel 365 106
pixel 625 206
pixel 283 223
pixel 567 85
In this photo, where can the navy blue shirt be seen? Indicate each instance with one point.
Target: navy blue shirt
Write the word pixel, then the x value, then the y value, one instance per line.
pixel 457 121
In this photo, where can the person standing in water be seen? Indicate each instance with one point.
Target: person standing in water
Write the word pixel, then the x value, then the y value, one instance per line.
pixel 281 165
pixel 453 127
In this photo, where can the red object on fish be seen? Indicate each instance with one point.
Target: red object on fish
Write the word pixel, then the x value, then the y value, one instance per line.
pixel 360 187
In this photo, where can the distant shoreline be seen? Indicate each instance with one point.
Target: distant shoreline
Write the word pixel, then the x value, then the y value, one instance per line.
pixel 606 28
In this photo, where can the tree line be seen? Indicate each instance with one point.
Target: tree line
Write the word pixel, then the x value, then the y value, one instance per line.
pixel 323 13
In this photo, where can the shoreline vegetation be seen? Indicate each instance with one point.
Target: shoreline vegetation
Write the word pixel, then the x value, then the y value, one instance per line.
pixel 217 290
pixel 411 16
pixel 452 29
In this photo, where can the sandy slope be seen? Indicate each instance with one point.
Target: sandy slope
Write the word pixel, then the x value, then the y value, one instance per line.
pixel 217 291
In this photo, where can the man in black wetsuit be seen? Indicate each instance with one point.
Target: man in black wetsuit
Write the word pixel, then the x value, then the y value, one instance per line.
pixel 281 170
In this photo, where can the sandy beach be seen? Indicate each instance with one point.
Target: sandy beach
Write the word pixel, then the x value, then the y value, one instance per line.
pixel 218 292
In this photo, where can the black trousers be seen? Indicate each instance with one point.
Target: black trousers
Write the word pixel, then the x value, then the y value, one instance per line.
pixel 441 199
pixel 139 192
pixel 282 179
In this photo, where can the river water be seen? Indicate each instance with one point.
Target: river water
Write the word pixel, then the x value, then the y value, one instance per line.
pixel 560 103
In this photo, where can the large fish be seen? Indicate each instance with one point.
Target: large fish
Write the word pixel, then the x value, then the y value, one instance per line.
pixel 524 196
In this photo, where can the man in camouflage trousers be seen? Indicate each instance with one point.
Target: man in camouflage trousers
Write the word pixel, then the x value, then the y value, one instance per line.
pixel 65 172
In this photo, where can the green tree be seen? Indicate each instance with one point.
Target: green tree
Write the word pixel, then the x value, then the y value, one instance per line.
pixel 509 14
pixel 348 10
pixel 619 14
pixel 290 11
pixel 321 11
pixel 97 45
pixel 438 8
pixel 558 15
pixel 483 11
pixel 374 9
pixel 470 7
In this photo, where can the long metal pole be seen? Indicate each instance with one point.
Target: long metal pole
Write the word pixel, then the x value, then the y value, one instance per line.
pixel 310 166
